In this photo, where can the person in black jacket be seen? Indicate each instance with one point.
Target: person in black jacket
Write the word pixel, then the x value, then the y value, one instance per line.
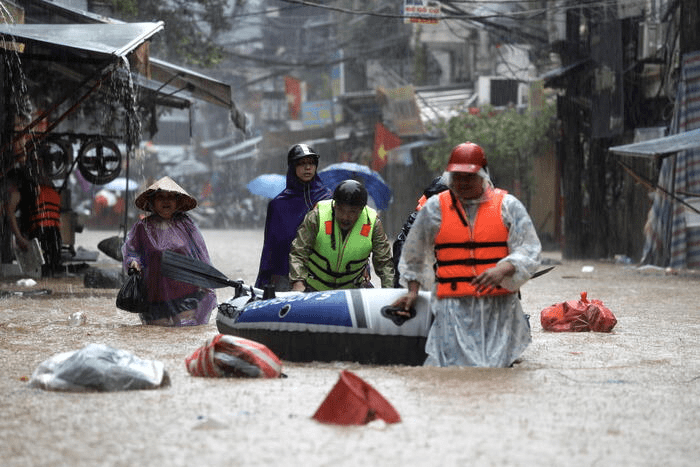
pixel 435 187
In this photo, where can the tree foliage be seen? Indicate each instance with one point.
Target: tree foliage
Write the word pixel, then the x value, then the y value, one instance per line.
pixel 191 27
pixel 510 139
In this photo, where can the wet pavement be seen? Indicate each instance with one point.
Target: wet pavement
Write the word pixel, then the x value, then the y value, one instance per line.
pixel 630 397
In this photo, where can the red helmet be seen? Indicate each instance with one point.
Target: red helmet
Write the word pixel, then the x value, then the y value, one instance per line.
pixel 466 157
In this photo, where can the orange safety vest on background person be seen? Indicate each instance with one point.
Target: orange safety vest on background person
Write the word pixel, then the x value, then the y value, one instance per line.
pixel 463 251
pixel 47 210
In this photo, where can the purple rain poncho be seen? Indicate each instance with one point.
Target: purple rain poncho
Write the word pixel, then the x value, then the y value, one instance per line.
pixel 284 214
pixel 171 302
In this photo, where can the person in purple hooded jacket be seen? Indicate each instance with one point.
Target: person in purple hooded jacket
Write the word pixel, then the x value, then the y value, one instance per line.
pixel 285 213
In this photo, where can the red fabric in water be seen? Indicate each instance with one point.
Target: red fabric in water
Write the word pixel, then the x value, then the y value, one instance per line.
pixel 578 316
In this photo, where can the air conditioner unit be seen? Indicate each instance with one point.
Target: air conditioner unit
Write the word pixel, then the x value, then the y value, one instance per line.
pixel 498 92
pixel 650 40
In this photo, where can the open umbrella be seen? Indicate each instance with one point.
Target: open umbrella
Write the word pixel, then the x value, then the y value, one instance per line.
pixel 377 188
pixel 267 185
pixel 188 167
pixel 120 184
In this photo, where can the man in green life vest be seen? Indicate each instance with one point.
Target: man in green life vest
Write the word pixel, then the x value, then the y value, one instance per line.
pixel 334 242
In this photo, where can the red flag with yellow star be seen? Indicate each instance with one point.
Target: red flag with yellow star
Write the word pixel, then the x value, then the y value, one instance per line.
pixel 384 140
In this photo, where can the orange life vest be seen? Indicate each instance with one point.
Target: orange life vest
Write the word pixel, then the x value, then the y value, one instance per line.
pixel 463 251
pixel 47 211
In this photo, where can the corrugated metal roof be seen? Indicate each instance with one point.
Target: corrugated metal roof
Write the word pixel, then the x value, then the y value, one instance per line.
pixel 660 146
pixel 105 40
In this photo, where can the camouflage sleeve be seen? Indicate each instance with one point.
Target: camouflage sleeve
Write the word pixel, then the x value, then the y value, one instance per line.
pixel 302 245
pixel 381 256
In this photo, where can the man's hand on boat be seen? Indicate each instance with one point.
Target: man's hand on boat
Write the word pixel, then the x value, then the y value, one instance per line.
pixel 298 286
pixel 406 302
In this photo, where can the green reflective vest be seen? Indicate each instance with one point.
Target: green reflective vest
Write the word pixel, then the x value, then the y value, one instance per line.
pixel 334 263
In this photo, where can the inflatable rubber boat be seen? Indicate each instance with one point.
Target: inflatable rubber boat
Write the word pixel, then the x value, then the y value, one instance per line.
pixel 356 325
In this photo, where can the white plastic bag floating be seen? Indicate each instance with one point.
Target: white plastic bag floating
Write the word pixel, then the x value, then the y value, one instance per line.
pixel 97 367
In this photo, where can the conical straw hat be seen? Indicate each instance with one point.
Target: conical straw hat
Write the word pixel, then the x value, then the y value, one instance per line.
pixel 166 184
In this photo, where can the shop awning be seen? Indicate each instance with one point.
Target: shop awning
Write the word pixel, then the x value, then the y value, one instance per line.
pixel 177 78
pixel 198 85
pixel 104 41
pixel 242 150
pixel 99 40
pixel 660 147
pixel 156 92
pixel 163 95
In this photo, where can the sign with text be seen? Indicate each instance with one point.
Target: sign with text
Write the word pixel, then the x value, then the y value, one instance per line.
pixel 317 114
pixel 421 11
pixel 402 111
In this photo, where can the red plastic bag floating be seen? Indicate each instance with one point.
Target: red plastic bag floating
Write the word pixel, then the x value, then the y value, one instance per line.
pixel 578 316
pixel 224 355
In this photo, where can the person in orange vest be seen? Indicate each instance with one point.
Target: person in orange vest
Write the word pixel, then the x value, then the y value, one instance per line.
pixel 474 246
pixel 39 204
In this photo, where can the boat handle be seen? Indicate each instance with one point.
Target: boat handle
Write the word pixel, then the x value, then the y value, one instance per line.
pixel 390 312
pixel 284 310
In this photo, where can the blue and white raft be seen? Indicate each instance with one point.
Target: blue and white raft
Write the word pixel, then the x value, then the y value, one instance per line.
pixel 355 325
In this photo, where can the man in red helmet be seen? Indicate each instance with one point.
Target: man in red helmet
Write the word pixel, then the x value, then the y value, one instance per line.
pixel 483 246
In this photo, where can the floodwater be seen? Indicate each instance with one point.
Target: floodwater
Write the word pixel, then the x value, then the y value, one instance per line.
pixel 628 398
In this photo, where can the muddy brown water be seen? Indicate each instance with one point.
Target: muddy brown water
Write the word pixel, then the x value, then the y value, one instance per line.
pixel 631 397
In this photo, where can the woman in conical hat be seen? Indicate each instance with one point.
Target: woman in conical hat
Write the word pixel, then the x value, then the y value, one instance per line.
pixel 172 303
pixel 165 184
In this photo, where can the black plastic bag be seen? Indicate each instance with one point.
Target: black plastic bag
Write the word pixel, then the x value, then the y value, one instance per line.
pixel 132 295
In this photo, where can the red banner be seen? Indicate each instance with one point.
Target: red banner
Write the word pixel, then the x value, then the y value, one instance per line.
pixel 384 140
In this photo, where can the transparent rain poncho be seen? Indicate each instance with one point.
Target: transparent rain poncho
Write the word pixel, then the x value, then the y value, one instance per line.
pixel 171 302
